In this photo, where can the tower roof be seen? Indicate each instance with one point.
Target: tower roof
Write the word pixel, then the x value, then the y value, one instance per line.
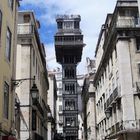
pixel 68 17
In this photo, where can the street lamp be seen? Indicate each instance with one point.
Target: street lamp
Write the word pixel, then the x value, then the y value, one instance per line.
pixel 108 113
pixel 34 92
pixel 49 115
pixel 89 130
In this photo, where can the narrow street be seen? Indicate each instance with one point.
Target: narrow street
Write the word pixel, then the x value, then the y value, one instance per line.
pixel 70 70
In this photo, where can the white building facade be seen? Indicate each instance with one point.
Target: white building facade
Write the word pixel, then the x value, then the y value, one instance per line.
pixel 59 110
pixel 52 98
pixel 118 74
pixel 31 64
pixel 89 109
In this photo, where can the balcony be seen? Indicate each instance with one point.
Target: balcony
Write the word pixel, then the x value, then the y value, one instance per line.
pixel 69 94
pixel 138 87
pixel 69 31
pixel 70 111
pixel 65 43
pixel 60 112
pixel 60 122
pixel 38 106
pixel 128 23
pixel 25 29
pixel 121 23
pixel 112 99
pixel 123 127
pixel 110 75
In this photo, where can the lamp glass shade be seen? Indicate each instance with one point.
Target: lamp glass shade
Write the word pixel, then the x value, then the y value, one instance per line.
pixel 107 113
pixel 34 92
pixel 49 115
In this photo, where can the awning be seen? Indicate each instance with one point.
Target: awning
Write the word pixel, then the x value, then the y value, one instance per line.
pixel 8 138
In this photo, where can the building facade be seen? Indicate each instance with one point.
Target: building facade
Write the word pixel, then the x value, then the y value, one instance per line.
pixel 52 98
pixel 89 103
pixel 8 25
pixel 31 77
pixel 118 74
pixel 59 104
pixel 68 46
pixel 139 5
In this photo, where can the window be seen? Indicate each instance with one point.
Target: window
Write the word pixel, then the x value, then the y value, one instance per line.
pixel 38 72
pixel 60 107
pixel 70 121
pixel 111 60
pixel 60 85
pixel 108 68
pixel 59 25
pixel 26 18
pixel 138 44
pixel 33 57
pixel 109 89
pixel 139 69
pixel 69 104
pixel 68 25
pixel 11 3
pixel 6 100
pixel 76 24
pixel 34 119
pixel 113 84
pixel 115 52
pixel 60 99
pixel 8 44
pixel 117 78
pixel 0 25
pixel 36 66
pixel 69 72
pixel 69 88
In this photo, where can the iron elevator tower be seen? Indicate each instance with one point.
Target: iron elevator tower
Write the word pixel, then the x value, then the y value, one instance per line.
pixel 68 48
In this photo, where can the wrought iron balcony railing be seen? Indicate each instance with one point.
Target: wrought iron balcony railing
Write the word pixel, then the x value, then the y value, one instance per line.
pixel 138 87
pixel 120 23
pixel 60 122
pixel 123 127
pixel 128 22
pixel 68 43
pixel 60 111
pixel 113 97
pixel 39 107
pixel 69 31
pixel 69 108
pixel 25 29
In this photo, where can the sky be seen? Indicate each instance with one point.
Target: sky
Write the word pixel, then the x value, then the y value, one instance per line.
pixel 93 14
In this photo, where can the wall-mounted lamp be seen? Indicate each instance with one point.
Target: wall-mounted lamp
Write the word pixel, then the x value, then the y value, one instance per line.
pixel 49 115
pixel 89 130
pixel 34 92
pixel 108 113
pixel 17 82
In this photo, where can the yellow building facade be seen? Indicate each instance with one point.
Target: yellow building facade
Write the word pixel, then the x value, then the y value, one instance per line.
pixel 8 25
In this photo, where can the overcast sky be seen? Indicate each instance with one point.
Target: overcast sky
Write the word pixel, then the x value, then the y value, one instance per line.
pixel 93 14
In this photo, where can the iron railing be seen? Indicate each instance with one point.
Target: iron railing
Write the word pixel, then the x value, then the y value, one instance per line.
pixel 123 127
pixel 128 23
pixel 113 97
pixel 138 87
pixel 68 43
pixel 120 23
pixel 69 31
pixel 25 29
